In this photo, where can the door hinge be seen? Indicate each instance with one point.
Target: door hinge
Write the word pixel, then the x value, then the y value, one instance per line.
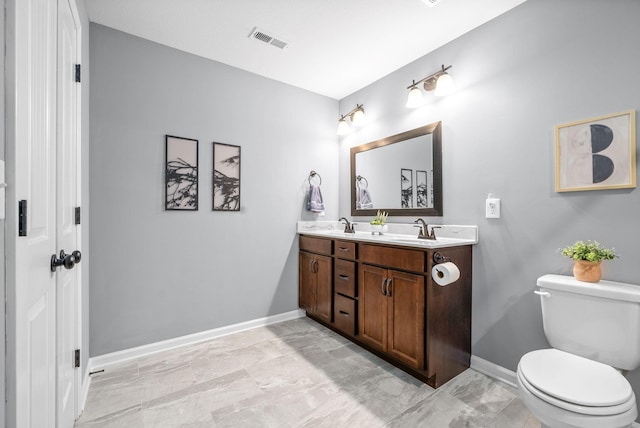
pixel 77 215
pixel 22 218
pixel 76 363
pixel 78 73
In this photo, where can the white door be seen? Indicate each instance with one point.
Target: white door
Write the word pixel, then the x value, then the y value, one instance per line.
pixel 43 104
pixel 68 197
pixel 31 146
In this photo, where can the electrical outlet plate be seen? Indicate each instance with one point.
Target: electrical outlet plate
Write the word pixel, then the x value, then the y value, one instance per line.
pixel 492 208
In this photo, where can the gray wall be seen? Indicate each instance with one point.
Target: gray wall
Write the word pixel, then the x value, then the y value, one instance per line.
pixel 2 226
pixel 159 274
pixel 543 63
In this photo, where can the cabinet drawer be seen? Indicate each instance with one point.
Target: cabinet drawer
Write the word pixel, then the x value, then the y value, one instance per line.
pixel 345 314
pixel 344 278
pixel 397 258
pixel 345 250
pixel 316 245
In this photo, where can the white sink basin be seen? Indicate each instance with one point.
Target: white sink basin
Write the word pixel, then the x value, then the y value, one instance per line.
pixel 425 242
pixel 340 232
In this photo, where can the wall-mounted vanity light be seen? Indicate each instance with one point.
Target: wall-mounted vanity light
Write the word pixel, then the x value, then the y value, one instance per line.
pixel 440 81
pixel 356 116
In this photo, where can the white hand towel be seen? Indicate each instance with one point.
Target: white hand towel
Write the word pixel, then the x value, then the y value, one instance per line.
pixel 315 204
pixel 364 200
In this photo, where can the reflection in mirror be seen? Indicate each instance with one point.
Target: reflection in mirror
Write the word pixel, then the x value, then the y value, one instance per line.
pixel 401 174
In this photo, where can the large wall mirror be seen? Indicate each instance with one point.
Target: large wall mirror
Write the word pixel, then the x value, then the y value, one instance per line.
pixel 401 174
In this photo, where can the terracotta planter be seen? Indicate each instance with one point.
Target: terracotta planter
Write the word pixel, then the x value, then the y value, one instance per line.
pixel 586 271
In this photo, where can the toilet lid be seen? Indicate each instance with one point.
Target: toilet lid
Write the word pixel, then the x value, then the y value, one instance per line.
pixel 575 379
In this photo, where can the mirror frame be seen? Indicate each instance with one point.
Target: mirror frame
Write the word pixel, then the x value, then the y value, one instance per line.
pixel 435 129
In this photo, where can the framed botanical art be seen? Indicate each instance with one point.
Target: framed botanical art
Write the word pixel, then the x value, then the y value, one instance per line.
pixel 181 174
pixel 422 195
pixel 226 177
pixel 597 153
pixel 406 188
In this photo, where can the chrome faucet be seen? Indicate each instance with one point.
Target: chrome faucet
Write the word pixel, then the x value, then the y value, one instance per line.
pixel 424 230
pixel 348 227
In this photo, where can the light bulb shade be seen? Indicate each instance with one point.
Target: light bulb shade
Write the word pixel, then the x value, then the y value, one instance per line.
pixel 415 98
pixel 358 117
pixel 343 127
pixel 445 86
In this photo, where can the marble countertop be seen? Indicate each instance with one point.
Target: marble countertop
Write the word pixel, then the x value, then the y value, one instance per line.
pixel 397 234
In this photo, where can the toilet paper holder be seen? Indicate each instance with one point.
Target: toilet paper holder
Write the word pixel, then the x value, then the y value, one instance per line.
pixel 439 258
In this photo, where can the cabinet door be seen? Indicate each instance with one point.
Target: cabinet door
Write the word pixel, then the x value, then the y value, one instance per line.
pixel 372 306
pixel 306 282
pixel 406 318
pixel 324 291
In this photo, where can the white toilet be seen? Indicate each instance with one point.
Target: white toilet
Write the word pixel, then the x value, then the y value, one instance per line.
pixel 594 329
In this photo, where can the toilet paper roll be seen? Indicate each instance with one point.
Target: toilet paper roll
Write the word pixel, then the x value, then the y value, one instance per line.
pixel 445 273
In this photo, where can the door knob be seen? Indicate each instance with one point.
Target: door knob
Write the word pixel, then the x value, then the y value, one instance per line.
pixel 66 260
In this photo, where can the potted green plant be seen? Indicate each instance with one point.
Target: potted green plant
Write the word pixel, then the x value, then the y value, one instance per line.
pixel 587 257
pixel 378 223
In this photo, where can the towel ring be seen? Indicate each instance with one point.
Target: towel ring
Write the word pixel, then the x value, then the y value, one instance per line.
pixel 314 174
pixel 359 180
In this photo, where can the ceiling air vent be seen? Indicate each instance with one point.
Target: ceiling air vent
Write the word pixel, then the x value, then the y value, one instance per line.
pixel 264 36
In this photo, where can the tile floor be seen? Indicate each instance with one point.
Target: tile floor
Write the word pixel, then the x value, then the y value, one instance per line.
pixel 292 374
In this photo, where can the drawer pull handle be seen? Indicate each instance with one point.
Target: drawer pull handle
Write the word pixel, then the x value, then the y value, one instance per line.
pixel 382 286
pixel 344 277
pixel 343 249
pixel 388 292
pixel 345 314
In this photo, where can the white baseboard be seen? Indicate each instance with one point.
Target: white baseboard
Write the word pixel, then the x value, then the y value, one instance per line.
pixel 493 370
pixel 103 361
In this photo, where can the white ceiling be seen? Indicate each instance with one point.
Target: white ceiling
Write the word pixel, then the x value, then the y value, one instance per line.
pixel 336 47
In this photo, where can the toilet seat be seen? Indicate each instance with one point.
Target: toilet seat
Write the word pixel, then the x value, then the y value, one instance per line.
pixel 575 383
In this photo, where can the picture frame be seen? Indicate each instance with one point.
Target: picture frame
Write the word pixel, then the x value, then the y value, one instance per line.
pixel 597 153
pixel 226 177
pixel 181 174
pixel 406 188
pixel 422 189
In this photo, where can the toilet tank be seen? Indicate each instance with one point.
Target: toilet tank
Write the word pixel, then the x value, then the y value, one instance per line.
pixel 599 321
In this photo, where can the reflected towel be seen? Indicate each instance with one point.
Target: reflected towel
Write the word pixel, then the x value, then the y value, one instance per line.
pixel 364 200
pixel 315 204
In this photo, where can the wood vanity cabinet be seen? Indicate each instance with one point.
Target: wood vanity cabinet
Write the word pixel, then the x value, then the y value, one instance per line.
pixel 315 284
pixel 382 297
pixel 391 313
